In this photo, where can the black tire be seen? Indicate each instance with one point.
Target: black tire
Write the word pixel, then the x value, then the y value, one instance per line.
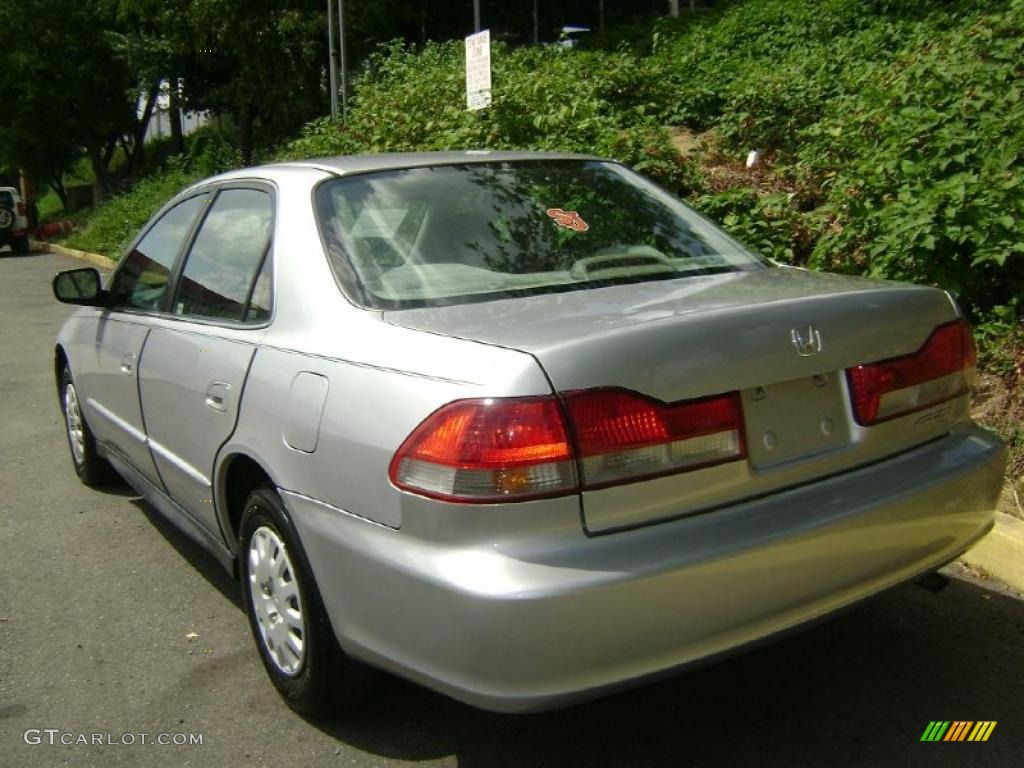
pixel 20 245
pixel 91 468
pixel 326 679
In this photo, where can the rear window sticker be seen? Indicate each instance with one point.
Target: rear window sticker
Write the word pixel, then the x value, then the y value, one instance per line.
pixel 568 219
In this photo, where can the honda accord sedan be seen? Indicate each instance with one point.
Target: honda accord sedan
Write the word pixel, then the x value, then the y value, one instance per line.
pixel 521 427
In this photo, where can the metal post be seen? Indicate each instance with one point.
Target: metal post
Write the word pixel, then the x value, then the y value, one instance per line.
pixel 536 28
pixel 344 61
pixel 332 60
pixel 600 15
pixel 476 15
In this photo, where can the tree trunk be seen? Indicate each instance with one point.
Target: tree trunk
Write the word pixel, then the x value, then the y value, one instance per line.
pixel 56 181
pixel 126 143
pixel 174 114
pixel 108 151
pixel 99 168
pixel 138 148
pixel 246 117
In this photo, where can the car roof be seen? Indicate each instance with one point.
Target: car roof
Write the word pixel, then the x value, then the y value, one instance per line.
pixel 349 164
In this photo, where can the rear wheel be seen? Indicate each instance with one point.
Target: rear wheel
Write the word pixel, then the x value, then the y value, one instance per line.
pixel 90 467
pixel 286 614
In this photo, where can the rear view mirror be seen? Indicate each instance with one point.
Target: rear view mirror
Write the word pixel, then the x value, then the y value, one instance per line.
pixel 79 286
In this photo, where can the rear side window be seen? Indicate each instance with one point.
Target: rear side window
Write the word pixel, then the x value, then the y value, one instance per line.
pixel 225 277
pixel 141 282
pixel 259 304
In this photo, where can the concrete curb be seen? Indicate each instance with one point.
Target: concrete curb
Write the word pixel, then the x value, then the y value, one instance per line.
pixel 92 258
pixel 1001 553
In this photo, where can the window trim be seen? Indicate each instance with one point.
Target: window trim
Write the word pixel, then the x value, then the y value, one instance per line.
pixel 174 279
pixel 212 191
pixel 154 220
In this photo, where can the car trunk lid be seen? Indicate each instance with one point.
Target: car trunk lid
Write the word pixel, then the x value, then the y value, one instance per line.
pixel 781 337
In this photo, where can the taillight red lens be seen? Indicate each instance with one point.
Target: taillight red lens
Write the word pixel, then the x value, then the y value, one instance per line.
pixel 21 209
pixel 623 436
pixel 488 450
pixel 509 449
pixel 941 370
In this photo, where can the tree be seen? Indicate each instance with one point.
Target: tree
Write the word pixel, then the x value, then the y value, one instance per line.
pixel 64 90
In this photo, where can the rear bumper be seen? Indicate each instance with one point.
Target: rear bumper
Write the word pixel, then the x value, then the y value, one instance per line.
pixel 545 628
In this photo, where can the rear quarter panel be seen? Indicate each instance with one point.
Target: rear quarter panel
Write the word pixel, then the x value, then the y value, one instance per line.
pixel 382 381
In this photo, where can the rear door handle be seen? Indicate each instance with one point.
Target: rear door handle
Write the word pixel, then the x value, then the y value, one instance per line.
pixel 217 395
pixel 128 363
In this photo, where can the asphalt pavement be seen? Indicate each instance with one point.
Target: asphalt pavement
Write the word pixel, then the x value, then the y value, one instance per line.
pixel 113 625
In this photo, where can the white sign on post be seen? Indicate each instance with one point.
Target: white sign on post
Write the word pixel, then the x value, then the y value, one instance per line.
pixel 478 70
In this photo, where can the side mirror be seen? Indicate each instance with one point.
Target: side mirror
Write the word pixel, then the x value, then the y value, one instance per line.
pixel 79 286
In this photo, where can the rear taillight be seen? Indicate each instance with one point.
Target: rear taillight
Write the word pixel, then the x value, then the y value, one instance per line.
pixel 500 449
pixel 622 436
pixel 941 370
pixel 21 209
pixel 509 449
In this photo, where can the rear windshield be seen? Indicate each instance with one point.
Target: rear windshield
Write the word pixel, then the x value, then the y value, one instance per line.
pixel 452 234
pixel 6 199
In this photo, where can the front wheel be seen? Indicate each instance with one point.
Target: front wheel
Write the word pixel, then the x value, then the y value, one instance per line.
pixel 91 468
pixel 286 614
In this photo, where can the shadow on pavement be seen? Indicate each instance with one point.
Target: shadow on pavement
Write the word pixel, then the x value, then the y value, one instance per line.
pixel 197 557
pixel 858 690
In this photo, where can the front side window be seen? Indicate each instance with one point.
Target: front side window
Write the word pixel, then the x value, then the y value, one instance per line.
pixel 141 281
pixel 224 271
pixel 475 232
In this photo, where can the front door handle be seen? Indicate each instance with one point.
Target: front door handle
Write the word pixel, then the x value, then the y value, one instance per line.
pixel 217 395
pixel 128 363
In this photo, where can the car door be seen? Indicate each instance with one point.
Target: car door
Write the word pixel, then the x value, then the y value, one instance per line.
pixel 108 369
pixel 193 372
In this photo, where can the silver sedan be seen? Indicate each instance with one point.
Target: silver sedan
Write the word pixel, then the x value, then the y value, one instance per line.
pixel 521 427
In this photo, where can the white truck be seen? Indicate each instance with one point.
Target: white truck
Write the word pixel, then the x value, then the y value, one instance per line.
pixel 13 220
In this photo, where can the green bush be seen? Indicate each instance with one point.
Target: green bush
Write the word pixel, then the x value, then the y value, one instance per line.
pixel 897 127
pixel 115 221
pixel 926 164
pixel 767 223
pixel 113 224
pixel 546 98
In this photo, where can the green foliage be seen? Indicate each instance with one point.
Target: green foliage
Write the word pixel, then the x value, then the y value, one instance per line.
pixel 897 127
pixel 546 98
pixel 115 222
pixel 926 165
pixel 999 335
pixel 49 206
pixel 767 223
pixel 63 87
